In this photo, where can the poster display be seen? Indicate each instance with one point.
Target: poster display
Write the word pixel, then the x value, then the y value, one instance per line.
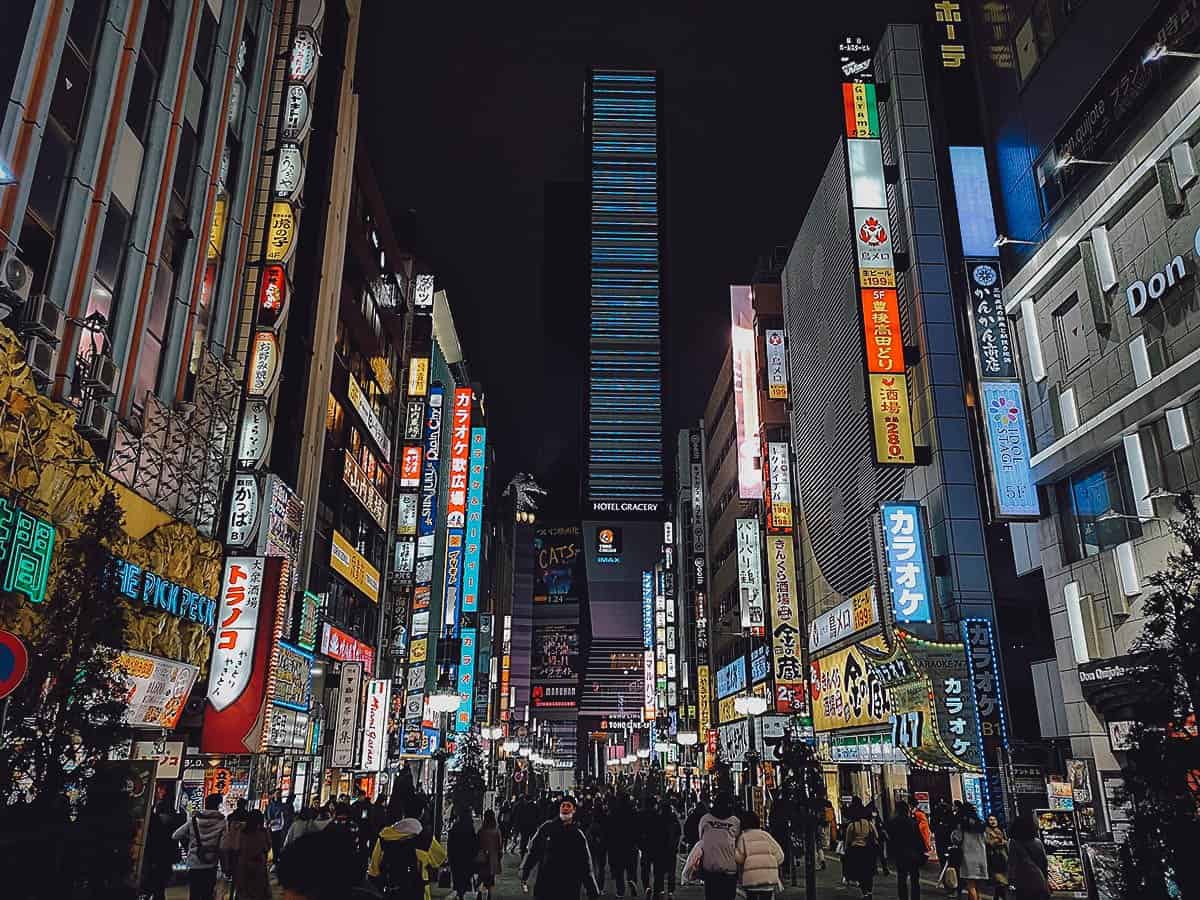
pixel 749 564
pixel 1014 490
pixel 851 616
pixel 1056 828
pixel 558 575
pixel 348 696
pixel 786 636
pixel 156 689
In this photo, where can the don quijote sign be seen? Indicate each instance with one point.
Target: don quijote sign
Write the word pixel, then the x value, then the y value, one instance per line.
pixel 1143 292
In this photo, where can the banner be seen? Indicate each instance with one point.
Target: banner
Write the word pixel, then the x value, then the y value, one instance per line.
pixel 909 575
pixel 749 565
pixel 156 689
pixel 374 730
pixel 858 613
pixel 786 636
pixel 235 712
pixel 349 692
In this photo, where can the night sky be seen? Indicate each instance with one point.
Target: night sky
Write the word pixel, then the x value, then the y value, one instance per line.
pixel 469 111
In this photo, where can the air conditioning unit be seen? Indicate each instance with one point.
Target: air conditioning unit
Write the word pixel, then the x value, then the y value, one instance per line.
pixel 15 276
pixel 39 356
pixel 102 375
pixel 95 420
pixel 41 317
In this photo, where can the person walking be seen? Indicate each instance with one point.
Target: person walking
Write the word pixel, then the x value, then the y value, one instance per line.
pixel 202 833
pixel 907 849
pixel 691 825
pixel 250 877
pixel 280 814
pixel 464 850
pixel 882 832
pixel 622 849
pixel 559 851
pixel 997 856
pixel 827 838
pixel 304 823
pixel 784 821
pixel 162 850
pixel 973 867
pixel 862 847
pixel 491 853
pixel 719 832
pixel 1027 865
pixel 528 820
pixel 662 848
pixel 759 857
pixel 648 839
pixel 404 857
pixel 597 835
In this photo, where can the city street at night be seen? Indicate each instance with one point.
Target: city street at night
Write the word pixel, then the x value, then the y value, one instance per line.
pixel 668 436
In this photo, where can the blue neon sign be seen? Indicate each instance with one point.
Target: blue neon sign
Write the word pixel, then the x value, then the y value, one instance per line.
pixel 909 576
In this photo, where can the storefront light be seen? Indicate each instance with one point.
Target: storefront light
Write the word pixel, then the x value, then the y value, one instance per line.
pixel 511 745
pixel 687 738
pixel 750 705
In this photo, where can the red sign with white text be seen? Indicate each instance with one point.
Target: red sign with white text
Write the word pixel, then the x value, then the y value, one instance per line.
pixel 460 448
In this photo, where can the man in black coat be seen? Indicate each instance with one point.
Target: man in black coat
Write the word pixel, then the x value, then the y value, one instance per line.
pixel 564 862
pixel 906 847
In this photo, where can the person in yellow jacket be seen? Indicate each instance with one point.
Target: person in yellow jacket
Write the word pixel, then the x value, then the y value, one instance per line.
pixel 405 859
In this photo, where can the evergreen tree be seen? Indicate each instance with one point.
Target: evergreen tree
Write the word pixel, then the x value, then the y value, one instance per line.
pixel 67 715
pixel 1162 777
pixel 468 779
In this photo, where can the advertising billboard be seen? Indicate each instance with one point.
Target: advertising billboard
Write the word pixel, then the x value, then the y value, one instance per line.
pixel 779 496
pixel 460 449
pixel 558 574
pixel 860 109
pixel 474 535
pixel 156 689
pixel 873 244
pixel 786 636
pixel 745 392
pixel 466 679
pixel 777 377
pixel 731 678
pixel 353 566
pixel 858 613
pixel 1014 490
pixel 846 692
pixel 892 423
pixel 374 730
pixel 881 323
pixel 910 577
pixel 346 712
pixel 749 563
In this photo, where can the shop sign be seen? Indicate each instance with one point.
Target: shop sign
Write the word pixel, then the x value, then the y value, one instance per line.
pixel 405 507
pixel 374 730
pixel 272 295
pixel 160 595
pixel 243 511
pixel 786 636
pixel 253 589
pixel 296 115
pixel 777 379
pixel 749 564
pixel 361 486
pixel 979 640
pixel 735 740
pixel 858 613
pixel 302 63
pixel 156 689
pixel 1028 780
pixel 281 521
pixel 414 420
pixel 703 698
pixel 466 680
pixel 310 614
pixel 864 749
pixel 410 466
pixel 1008 445
pixel 881 324
pixel 405 559
pixel 362 406
pixel 281 232
pixel 255 438
pixel 336 644
pixel 460 447
pixel 418 650
pixel 909 576
pixel 423 292
pixel 993 342
pixel 427 523
pixel 888 396
pixel 745 394
pixel 860 109
pixel 289 172
pixel 292 678
pixel 1056 828
pixel 873 241
pixel 237 620
pixel 264 364
pixel 731 678
pixel 353 566
pixel 382 373
pixel 418 376
pixel 26 548
pixel 474 536
pixel 649 693
pixel 288 729
pixel 779 505
pixel 846 692
pixel 216 231
pixel 169 755
pixel 349 692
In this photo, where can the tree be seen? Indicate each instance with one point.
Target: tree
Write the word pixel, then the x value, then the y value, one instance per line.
pixel 1162 776
pixel 467 780
pixel 67 716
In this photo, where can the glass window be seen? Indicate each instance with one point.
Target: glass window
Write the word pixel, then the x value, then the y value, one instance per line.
pixel 186 162
pixel 85 26
pixel 112 246
pixel 70 92
pixel 206 43
pixel 156 33
pixel 1069 334
pixel 141 98
pixel 1098 508
pixel 50 176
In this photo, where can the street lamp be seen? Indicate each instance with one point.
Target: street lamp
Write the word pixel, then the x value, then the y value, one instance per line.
pixel 1070 159
pixel 1158 51
pixel 1003 240
pixel 687 738
pixel 444 700
pixel 512 745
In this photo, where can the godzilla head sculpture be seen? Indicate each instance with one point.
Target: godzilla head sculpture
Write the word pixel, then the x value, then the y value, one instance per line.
pixel 523 489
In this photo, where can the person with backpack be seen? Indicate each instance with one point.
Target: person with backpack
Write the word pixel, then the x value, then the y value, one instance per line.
pixel 719 832
pixel 320 866
pixel 1027 864
pixel 862 847
pixel 403 860
pixel 202 833
pixel 621 844
pixel 162 851
pixel 560 853
pixel 662 847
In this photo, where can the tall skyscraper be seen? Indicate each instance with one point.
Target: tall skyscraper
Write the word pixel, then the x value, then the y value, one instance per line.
pixel 625 437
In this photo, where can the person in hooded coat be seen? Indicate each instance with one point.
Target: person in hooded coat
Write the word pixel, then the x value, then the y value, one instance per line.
pixel 560 853
pixel 430 854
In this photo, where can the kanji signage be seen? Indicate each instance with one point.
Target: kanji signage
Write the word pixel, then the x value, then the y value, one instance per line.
pixel 348 696
pixel 238 619
pixel 979 640
pixel 336 644
pixel 363 488
pixel 777 378
pixel 993 342
pixel 474 531
pixel 366 412
pixel 26 548
pixel 418 376
pixel 786 634
pixel 273 294
pixel 951 45
pixel 291 682
pixel 244 509
pixel 353 566
pixel 888 395
pixel 302 63
pixel 310 615
pixel 881 323
pixel 873 239
pixel 855 614
pixel 466 680
pixel 909 575
pixel 423 292
pixel 255 438
pixel 264 364
pixel 297 114
pixel 157 689
pixel 281 234
pixel 289 171
pixel 749 565
pixel 460 447
pixel 779 497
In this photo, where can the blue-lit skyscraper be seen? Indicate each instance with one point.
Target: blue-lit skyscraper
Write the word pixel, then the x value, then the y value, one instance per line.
pixel 624 471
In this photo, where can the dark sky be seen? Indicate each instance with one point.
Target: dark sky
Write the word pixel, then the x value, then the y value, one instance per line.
pixel 469 110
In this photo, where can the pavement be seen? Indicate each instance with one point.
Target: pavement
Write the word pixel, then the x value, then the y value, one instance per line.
pixel 829 886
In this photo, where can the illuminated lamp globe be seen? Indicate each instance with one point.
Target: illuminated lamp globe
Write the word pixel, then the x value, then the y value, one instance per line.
pixel 525 752
pixel 662 746
pixel 643 753
pixel 444 700
pixel 751 705
pixel 511 745
pixel 687 738
pixel 628 760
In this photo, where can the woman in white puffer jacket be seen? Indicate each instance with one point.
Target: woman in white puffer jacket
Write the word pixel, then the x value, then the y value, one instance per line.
pixel 759 857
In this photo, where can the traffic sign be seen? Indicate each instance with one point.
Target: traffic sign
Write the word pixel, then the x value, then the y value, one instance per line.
pixel 14 662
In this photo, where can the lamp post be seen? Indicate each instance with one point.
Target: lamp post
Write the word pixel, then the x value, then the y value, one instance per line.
pixel 443 701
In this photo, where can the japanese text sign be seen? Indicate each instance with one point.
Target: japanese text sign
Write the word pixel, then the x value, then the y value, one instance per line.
pixel 909 575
